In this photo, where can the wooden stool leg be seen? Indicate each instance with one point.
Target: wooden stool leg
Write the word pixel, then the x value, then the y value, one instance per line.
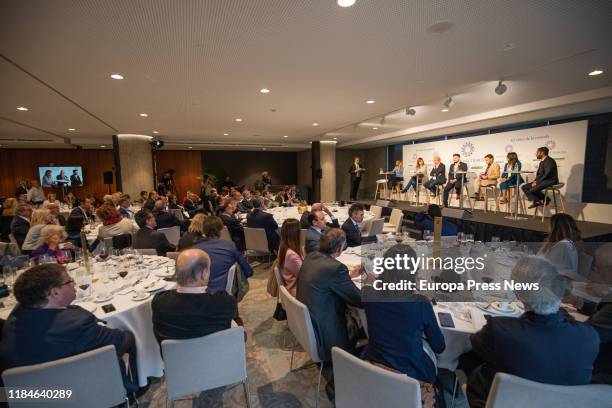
pixel 554 194
pixel 486 199
pixel 562 200
pixel 544 204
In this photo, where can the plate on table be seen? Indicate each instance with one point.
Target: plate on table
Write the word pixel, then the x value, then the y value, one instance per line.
pixel 137 298
pixel 155 286
pixel 504 307
pixel 162 273
pixel 104 299
pixel 90 307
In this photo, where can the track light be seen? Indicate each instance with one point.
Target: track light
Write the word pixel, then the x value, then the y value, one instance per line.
pixel 410 111
pixel 501 88
pixel 448 102
pixel 382 121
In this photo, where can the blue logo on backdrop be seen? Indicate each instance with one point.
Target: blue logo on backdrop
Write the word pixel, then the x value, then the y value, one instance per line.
pixel 509 148
pixel 467 149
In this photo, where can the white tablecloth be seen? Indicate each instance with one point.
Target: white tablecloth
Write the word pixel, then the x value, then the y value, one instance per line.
pixel 341 213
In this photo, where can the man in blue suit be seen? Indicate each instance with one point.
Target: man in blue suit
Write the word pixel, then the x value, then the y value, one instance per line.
pixel 258 218
pixel 455 181
pixel 316 220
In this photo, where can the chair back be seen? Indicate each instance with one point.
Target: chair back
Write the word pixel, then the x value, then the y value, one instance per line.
pixel 278 277
pixel 94 378
pixel 225 235
pixel 509 391
pixel 256 240
pixel 108 242
pixel 231 279
pixel 177 213
pixel 360 383
pixel 303 233
pixel 172 255
pixel 13 241
pixel 300 324
pixel 585 264
pixel 122 241
pixel 396 218
pixel 376 227
pixel 376 211
pixel 173 234
pixel 204 363
pixel 147 251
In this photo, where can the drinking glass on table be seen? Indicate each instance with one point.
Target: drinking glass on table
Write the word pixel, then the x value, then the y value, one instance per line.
pixel 84 281
pixel 461 237
pixel 469 238
pixel 428 235
pixel 8 274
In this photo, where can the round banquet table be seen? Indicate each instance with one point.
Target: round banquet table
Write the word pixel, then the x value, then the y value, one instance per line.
pixel 467 316
pixel 341 213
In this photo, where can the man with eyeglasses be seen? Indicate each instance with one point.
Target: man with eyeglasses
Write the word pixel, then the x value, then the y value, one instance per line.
pixel 44 326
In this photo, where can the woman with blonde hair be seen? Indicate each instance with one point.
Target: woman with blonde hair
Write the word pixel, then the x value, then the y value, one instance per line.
pixel 52 243
pixel 290 256
pixel 40 218
pixel 194 234
pixel 51 199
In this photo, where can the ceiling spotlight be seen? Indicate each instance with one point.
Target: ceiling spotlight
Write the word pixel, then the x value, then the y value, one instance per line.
pixel 448 102
pixel 156 131
pixel 370 101
pixel 190 147
pixel 444 110
pixel 501 88
pixel 226 134
pixel 382 121
pixel 315 124
pixel 72 129
pixel 285 136
pixel 335 138
pixel 596 72
pixel 345 3
pixel 410 111
pixel 374 128
pixel 116 76
pixel 238 120
pixel 102 146
pixel 144 115
pixel 22 108
pixel 263 148
pixel 264 90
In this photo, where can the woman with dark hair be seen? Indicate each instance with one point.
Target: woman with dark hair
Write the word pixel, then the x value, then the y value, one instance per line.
pixel 113 223
pixel 420 171
pixel 507 179
pixel 402 328
pixel 561 246
pixel 290 256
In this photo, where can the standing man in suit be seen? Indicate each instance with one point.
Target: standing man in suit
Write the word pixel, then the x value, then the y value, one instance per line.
pixel 352 227
pixel 258 218
pixel 75 179
pixel 146 237
pixel 316 220
pixel 325 287
pixel 44 326
pixel 438 176
pixel 355 172
pixel 304 224
pixel 21 222
pixel 455 181
pixel 546 176
pixel 488 177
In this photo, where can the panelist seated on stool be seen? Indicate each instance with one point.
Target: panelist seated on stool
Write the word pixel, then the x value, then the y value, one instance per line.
pixel 419 173
pixel 546 176
pixel 455 181
pixel 488 178
pixel 508 179
pixel 438 176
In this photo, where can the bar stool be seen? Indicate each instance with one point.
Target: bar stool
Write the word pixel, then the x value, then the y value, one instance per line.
pixel 555 190
pixel 381 189
pixel 495 196
pixel 466 195
pixel 439 192
pixel 521 202
pixel 395 192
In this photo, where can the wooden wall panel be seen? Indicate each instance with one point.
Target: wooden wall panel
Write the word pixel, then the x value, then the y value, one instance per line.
pixel 16 164
pixel 188 167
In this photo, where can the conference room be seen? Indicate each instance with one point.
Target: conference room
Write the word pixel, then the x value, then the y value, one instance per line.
pixel 349 203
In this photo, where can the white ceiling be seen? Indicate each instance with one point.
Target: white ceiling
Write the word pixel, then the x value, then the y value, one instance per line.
pixel 194 66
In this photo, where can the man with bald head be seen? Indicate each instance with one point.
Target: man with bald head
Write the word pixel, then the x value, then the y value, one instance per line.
pixel 190 311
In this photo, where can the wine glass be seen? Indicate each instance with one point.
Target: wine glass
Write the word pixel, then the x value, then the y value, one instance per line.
pixel 428 235
pixel 469 238
pixel 461 237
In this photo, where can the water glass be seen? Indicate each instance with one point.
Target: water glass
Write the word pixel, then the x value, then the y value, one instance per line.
pixel 469 238
pixel 460 237
pixel 8 273
pixel 428 235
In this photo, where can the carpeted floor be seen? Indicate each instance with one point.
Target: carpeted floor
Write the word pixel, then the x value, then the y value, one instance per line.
pixel 268 350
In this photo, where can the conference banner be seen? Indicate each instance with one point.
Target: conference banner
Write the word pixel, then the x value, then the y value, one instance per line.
pixel 566 143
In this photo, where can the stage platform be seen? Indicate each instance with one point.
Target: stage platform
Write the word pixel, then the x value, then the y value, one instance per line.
pixel 485 225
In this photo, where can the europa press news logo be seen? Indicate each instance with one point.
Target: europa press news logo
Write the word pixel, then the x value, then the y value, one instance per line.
pixel 467 149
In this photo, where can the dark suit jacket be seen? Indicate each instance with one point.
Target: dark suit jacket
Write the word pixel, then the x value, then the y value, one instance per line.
pixel 82 213
pixel 146 238
pixel 245 206
pixel 550 349
pixel 75 180
pixel 165 219
pixel 33 336
pixel 223 254
pixel 234 226
pixel 439 173
pixel 325 287
pixel 547 171
pixel 19 229
pixel 126 213
pixel 304 221
pixel 261 219
pixel 149 204
pixel 353 235
pixel 352 171
pixel 311 243
pixel 61 219
pixel 601 320
pixel 459 177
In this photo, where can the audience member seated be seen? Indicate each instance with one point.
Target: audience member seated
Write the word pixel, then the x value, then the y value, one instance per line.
pixel 51 199
pixel 44 326
pixel 258 218
pixel 601 320
pixel 562 244
pixel 142 198
pixel 113 223
pixel 40 218
pixel 124 208
pixel 21 222
pixel 52 244
pixel 268 201
pixel 150 203
pixel 546 176
pixel 190 310
pixel 245 205
pixel 212 202
pixel 163 218
pixel 54 209
pixel 403 333
pixel 9 207
pixel 115 198
pixel 70 199
pixel 194 234
pixel 352 227
pixel 74 225
pixel 36 194
pixel 425 221
pixel 325 287
pixel 85 209
pixel 316 220
pixel 544 345
pixel 223 254
pixel 318 207
pixel 290 255
pixel 233 224
pixel 147 238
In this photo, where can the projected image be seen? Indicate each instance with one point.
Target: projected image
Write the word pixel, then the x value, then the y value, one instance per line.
pixel 64 176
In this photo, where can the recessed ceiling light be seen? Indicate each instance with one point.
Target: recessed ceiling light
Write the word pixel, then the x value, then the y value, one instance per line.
pixel 370 101
pixel 374 128
pixel 264 90
pixel 596 72
pixel 315 124
pixel 335 138
pixel 156 131
pixel 22 108
pixel 238 120
pixel 226 134
pixel 263 148
pixel 102 145
pixel 285 136
pixel 72 129
pixel 190 147
pixel 345 3
pixel 144 115
pixel 444 110
pixel 116 76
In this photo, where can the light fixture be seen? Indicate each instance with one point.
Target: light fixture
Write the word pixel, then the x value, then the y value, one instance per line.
pixel 285 136
pixel 116 76
pixel 238 119
pixel 263 148
pixel 345 3
pixel 190 147
pixel 226 134
pixel 444 110
pixel 144 115
pixel 156 131
pixel 371 101
pixel 382 121
pixel 72 129
pixel 102 146
pixel 374 128
pixel 335 138
pixel 596 72
pixel 501 88
pixel 447 104
pixel 315 124
pixel 410 111
pixel 264 90
pixel 22 108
